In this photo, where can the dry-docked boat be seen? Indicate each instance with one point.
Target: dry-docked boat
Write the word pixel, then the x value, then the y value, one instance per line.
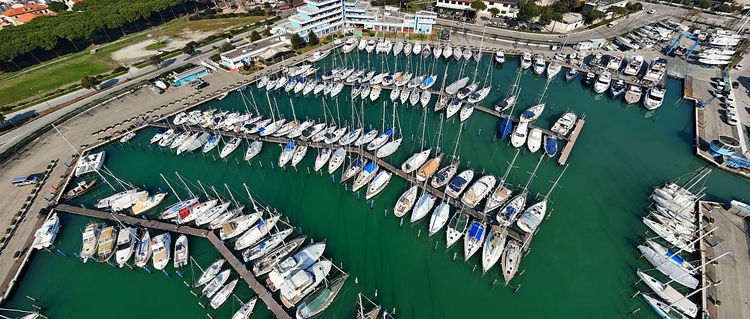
pixel 89 163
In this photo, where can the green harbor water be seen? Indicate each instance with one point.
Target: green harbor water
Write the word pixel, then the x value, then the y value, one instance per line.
pixel 581 264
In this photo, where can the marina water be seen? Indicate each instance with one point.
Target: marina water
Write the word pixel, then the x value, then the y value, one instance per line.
pixel 581 263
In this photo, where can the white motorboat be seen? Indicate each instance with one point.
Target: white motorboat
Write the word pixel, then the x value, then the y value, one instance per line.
pixel 444 175
pixel 534 141
pixel 478 190
pixel 181 253
pixel 45 236
pixel 539 64
pixel 633 94
pixel 654 97
pixel 349 45
pixel 526 60
pixel 563 125
pixel 302 282
pixel 518 138
pixel 459 183
pixel 125 243
pixel 160 246
pixel 499 56
pixel 299 261
pixel 602 82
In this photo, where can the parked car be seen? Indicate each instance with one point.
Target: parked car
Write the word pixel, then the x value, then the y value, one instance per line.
pixel 25 180
pixel 652 11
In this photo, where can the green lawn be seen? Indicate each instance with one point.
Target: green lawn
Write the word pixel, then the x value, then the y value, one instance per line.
pixel 50 78
pixel 156 46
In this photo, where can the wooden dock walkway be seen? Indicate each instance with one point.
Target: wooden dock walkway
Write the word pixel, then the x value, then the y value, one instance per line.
pixel 254 284
pixel 382 163
pixel 569 146
pixel 515 120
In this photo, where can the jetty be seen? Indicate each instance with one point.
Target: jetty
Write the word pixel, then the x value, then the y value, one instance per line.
pixel 254 284
pixel 569 146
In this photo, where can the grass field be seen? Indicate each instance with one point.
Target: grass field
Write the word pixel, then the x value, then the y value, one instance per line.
pixel 71 68
pixel 50 78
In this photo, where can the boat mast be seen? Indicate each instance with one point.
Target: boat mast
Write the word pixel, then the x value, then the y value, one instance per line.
pixel 507 171
pixel 170 187
pixel 204 190
pixel 455 147
pixel 230 195
pixel 533 174
pixel 476 69
pixel 255 207
pixel 294 116
pixel 556 181
pixel 700 268
pixel 183 183
pixel 424 126
pixel 80 156
pixel 217 193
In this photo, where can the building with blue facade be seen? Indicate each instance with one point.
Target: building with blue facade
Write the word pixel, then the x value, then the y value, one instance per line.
pixel 324 17
pixel 190 75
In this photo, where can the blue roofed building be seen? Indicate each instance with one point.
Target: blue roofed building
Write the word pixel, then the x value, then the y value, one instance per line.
pixel 190 75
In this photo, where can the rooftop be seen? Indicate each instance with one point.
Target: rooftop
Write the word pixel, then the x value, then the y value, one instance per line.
pixel 572 17
pixel 24 9
pixel 245 49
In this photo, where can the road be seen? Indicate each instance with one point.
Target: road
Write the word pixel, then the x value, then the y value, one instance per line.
pixel 133 76
pixel 623 25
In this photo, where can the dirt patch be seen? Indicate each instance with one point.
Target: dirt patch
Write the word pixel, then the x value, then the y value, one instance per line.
pixel 139 50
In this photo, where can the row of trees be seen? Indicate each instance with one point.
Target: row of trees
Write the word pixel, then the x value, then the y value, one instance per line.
pixel 298 42
pixel 529 10
pixel 88 19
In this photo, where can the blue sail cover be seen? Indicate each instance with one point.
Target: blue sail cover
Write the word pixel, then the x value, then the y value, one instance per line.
pixel 370 167
pixel 528 114
pixel 506 126
pixel 551 147
pixel 476 230
pixel 456 183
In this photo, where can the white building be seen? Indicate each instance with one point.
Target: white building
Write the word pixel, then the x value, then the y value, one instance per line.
pixel 603 5
pixel 570 22
pixel 325 17
pixel 508 8
pixel 247 53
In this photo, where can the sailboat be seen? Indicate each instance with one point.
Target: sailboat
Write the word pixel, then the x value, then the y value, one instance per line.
pixel 494 244
pixel 456 228
pixel 286 154
pixel 508 214
pixel 502 192
pixel 321 299
pixel 336 160
pixel 378 184
pixel 459 183
pixel 439 217
pixel 365 176
pixel 324 154
pixel 510 259
pixel 406 201
pixel 143 249
pixel 299 153
pixel 534 214
pixel 423 206
pixel 253 149
pixel 474 238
